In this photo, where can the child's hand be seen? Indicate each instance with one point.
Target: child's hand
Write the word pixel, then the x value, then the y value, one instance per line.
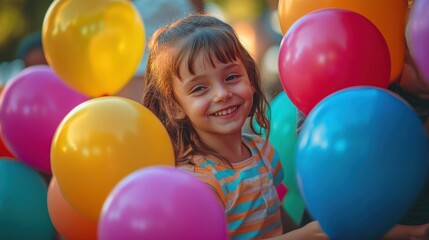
pixel 311 231
pixel 419 232
pixel 408 232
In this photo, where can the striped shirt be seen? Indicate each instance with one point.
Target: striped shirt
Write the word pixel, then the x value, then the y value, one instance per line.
pixel 247 191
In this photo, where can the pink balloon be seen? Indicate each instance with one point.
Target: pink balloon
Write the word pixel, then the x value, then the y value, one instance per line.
pixel 162 203
pixel 32 106
pixel 329 50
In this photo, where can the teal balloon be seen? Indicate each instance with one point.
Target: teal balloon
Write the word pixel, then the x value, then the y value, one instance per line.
pixel 23 203
pixel 283 121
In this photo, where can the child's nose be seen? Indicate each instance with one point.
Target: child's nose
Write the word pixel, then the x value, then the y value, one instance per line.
pixel 222 93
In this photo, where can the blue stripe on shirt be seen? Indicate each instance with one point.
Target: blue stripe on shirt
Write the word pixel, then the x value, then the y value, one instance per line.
pixel 246 206
pixel 232 186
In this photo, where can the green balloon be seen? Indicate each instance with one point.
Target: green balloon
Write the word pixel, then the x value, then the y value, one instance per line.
pixel 283 121
pixel 23 203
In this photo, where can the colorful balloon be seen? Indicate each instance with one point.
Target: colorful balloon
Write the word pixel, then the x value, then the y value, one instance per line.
pixel 100 142
pixel 328 50
pixel 94 46
pixel 389 17
pixel 162 203
pixel 4 151
pixel 283 122
pixel 23 208
pixel 69 223
pixel 358 169
pixel 32 106
pixel 418 36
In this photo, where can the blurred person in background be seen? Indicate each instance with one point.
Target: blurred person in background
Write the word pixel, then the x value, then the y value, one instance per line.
pixel 29 52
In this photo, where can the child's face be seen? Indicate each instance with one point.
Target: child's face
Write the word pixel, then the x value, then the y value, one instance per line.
pixel 217 99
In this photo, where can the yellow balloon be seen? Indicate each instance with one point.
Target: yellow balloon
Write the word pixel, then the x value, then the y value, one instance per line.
pixel 388 15
pixel 100 142
pixel 94 46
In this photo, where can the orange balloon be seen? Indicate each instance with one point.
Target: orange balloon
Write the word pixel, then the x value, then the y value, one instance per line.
pixel 67 221
pixel 100 142
pixel 94 46
pixel 388 15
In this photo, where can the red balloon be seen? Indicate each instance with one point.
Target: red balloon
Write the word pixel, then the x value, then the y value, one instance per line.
pixel 4 152
pixel 328 50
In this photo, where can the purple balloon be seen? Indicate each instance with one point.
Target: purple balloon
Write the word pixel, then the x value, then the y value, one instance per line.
pixel 162 203
pixel 32 105
pixel 418 36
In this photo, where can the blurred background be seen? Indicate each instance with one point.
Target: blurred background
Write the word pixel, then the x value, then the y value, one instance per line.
pixel 19 18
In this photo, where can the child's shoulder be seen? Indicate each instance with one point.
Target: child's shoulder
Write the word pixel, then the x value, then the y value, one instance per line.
pixel 205 167
pixel 199 162
pixel 251 137
pixel 254 140
pixel 259 145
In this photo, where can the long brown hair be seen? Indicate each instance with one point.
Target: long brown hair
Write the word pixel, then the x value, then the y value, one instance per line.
pixel 181 42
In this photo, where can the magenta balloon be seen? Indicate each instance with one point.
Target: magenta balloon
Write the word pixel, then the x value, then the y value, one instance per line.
pixel 32 105
pixel 418 36
pixel 162 203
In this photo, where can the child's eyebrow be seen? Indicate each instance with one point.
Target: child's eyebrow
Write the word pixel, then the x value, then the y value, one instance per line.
pixel 231 65
pixel 226 67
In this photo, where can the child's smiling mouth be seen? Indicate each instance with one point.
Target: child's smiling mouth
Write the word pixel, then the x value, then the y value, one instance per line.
pixel 226 111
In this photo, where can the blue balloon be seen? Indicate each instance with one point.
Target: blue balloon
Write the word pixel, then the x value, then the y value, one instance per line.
pixel 362 159
pixel 23 203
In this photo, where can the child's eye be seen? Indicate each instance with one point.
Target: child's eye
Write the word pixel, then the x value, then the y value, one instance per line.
pixel 197 89
pixel 232 77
